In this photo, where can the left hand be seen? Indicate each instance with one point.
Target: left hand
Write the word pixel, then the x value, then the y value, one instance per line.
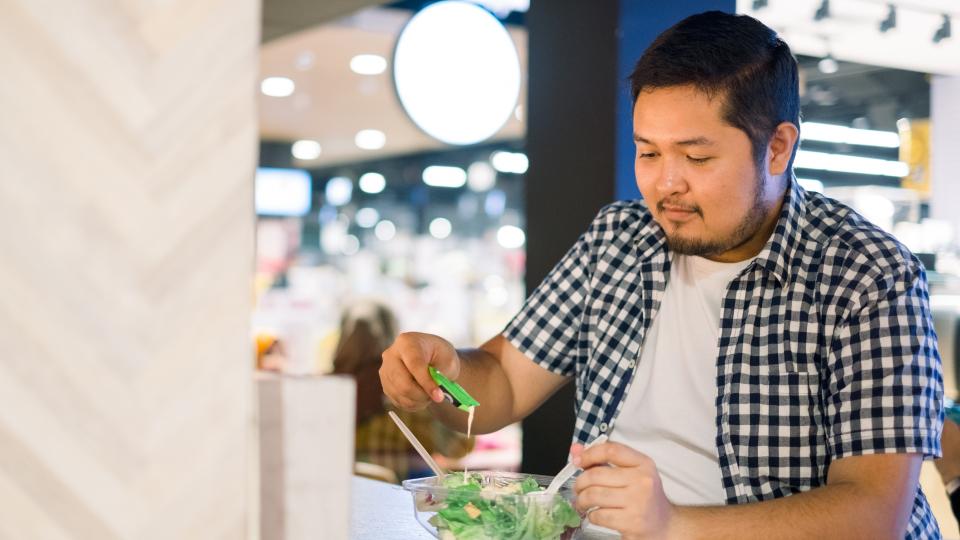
pixel 628 496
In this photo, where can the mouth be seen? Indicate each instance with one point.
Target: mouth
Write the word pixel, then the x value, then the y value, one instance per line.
pixel 675 212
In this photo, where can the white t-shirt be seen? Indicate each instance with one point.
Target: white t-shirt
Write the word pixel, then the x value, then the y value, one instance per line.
pixel 669 412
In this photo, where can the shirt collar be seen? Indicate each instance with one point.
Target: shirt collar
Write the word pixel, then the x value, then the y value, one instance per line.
pixel 780 248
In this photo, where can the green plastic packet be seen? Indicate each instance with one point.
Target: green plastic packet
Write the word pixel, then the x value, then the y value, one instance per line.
pixel 453 392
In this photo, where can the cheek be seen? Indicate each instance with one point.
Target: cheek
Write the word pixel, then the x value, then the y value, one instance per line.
pixel 645 181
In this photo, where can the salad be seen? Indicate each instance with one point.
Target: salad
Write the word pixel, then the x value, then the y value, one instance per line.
pixel 495 506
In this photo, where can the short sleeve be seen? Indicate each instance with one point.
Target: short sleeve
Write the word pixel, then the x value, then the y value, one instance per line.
pixel 884 392
pixel 547 328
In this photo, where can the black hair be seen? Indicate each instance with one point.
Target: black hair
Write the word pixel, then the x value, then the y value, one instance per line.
pixel 735 57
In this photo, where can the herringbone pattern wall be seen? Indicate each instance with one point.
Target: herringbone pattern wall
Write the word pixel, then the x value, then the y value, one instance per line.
pixel 127 151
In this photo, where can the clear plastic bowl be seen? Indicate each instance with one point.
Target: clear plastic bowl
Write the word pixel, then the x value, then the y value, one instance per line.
pixel 429 497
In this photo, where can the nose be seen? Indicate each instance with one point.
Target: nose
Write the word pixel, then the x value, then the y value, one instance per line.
pixel 670 178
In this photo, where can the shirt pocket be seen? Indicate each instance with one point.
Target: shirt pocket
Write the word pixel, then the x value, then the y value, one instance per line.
pixel 779 436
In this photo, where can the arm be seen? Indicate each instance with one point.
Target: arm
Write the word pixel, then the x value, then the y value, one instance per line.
pixel 508 380
pixel 867 496
pixel 507 384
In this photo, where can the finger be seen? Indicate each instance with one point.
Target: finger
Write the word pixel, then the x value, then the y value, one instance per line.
pixel 396 358
pixel 415 358
pixel 602 476
pixel 575 450
pixel 398 383
pixel 613 454
pixel 602 497
pixel 611 518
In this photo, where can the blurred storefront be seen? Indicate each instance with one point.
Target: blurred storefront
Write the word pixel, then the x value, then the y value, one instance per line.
pixel 358 198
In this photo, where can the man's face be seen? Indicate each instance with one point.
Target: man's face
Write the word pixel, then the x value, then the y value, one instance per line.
pixel 698 175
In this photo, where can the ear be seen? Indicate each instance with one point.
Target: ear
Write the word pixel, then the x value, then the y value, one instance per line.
pixel 781 147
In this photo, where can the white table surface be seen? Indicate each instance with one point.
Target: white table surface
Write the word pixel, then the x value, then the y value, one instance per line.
pixel 382 511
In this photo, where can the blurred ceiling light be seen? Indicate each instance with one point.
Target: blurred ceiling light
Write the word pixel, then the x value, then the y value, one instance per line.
pixel 368 64
pixel 510 162
pixel 823 12
pixel 305 60
pixel 481 176
pixel 370 139
pixel 367 217
pixel 828 65
pixel 890 22
pixel 444 176
pixel 339 191
pixel 944 31
pixel 385 230
pixel 443 45
pixel 440 228
pixel 850 164
pixel 815 131
pixel 511 237
pixel 350 245
pixel 810 184
pixel 372 183
pixel 305 149
pixel 277 86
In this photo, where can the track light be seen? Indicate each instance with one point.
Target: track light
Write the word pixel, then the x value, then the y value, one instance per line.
pixel 943 32
pixel 759 4
pixel 823 11
pixel 891 21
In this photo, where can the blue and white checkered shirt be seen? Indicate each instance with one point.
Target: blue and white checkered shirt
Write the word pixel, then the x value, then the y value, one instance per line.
pixel 826 347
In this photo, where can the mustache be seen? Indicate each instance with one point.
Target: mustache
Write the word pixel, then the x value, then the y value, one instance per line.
pixel 680 205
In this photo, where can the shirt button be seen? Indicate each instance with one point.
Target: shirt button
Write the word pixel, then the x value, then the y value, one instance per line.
pixel 632 364
pixel 603 427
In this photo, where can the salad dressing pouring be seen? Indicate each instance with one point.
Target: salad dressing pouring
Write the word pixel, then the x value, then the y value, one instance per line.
pixel 469 426
pixel 456 395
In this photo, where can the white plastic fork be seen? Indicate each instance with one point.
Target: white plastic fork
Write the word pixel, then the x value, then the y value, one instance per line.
pixel 569 470
pixel 416 445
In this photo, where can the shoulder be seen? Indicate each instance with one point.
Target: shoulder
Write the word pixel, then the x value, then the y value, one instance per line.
pixel 854 250
pixel 618 217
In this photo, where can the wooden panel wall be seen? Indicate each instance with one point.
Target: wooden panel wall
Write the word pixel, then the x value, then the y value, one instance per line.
pixel 127 150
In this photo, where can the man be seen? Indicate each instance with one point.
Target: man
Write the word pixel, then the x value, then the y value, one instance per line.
pixel 762 358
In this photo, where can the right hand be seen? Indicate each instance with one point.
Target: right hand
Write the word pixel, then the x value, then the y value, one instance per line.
pixel 404 374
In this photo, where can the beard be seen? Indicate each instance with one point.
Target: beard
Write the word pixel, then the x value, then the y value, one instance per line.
pixel 746 229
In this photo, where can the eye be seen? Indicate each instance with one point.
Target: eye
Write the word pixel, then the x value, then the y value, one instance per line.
pixel 698 160
pixel 646 155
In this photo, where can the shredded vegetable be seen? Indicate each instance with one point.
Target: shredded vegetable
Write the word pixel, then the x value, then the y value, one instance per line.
pixel 499 511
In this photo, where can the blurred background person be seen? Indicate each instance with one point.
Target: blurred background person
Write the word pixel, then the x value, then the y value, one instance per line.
pixel 367 328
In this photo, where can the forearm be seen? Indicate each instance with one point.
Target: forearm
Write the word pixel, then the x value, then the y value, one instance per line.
pixel 842 510
pixel 482 375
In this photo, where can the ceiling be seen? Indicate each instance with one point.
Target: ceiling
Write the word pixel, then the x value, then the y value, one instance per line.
pixel 852 32
pixel 331 103
pixel 282 17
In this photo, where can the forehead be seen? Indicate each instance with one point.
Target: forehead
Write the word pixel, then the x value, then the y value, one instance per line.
pixel 677 112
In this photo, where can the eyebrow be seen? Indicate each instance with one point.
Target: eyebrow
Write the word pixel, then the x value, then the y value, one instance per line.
pixel 696 141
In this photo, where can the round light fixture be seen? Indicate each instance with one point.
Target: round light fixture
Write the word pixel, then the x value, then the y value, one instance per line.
pixel 440 228
pixel 306 149
pixel 456 72
pixel 277 86
pixel 368 64
pixel 372 183
pixel 370 139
